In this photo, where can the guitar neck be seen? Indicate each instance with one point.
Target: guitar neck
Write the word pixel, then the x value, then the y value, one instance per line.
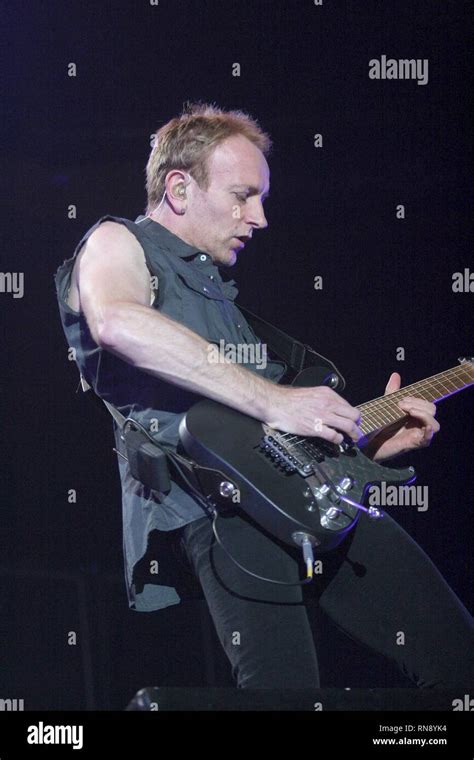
pixel 383 412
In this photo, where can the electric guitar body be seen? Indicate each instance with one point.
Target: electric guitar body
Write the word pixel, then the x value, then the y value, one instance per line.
pixel 296 486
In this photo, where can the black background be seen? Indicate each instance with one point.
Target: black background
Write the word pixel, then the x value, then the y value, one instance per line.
pixel 85 140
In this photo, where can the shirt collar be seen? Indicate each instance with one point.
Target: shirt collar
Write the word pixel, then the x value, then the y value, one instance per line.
pixel 166 238
pixel 175 245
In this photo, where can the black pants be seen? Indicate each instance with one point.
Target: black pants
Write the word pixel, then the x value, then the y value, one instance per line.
pixel 378 586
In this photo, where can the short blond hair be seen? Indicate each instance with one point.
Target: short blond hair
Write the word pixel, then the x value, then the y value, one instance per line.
pixel 186 142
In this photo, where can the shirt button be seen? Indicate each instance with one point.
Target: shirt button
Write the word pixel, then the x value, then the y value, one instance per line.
pixel 205 290
pixel 203 257
pixel 211 276
pixel 239 325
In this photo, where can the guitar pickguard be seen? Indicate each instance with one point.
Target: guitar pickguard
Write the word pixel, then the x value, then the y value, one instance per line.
pixel 331 472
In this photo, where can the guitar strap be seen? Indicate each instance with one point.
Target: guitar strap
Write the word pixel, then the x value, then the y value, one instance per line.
pixel 296 355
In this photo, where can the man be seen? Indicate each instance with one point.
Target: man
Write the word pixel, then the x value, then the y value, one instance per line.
pixel 142 302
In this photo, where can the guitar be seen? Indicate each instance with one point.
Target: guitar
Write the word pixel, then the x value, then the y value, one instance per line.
pixel 298 487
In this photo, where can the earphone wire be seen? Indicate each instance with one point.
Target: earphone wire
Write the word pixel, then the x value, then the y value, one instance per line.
pixel 154 210
pixel 182 193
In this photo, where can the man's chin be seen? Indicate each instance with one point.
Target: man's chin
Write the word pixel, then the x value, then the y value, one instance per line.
pixel 226 259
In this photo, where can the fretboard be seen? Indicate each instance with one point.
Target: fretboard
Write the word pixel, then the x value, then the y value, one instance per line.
pixel 382 412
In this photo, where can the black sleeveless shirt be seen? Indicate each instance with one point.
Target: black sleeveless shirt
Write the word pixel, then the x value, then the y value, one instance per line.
pixel 188 288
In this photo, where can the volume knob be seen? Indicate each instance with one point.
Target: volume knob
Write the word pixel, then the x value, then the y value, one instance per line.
pixel 346 484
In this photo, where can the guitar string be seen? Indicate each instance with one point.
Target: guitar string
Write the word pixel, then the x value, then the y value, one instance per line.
pixel 455 371
pixel 426 389
pixel 385 405
pixel 383 401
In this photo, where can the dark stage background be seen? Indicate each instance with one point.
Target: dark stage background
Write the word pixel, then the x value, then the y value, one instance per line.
pixel 387 282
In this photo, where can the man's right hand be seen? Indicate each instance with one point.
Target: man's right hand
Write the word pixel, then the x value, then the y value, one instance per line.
pixel 317 411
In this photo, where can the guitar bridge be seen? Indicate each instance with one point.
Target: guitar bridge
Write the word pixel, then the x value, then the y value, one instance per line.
pixel 294 454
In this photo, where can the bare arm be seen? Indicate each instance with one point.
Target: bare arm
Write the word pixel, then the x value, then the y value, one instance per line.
pixel 164 348
pixel 114 287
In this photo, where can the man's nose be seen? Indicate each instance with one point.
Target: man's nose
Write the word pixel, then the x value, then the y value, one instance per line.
pixel 256 216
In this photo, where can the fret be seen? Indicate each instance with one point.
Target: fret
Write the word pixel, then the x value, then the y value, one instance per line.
pixel 368 425
pixel 444 386
pixel 389 412
pixel 447 382
pixel 428 394
pixel 382 419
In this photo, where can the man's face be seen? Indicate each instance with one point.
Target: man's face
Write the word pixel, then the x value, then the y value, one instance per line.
pixel 231 207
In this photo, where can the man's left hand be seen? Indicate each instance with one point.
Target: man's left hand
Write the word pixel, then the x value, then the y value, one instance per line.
pixel 415 433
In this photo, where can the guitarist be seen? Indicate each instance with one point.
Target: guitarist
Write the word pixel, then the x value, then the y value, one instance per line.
pixel 142 302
